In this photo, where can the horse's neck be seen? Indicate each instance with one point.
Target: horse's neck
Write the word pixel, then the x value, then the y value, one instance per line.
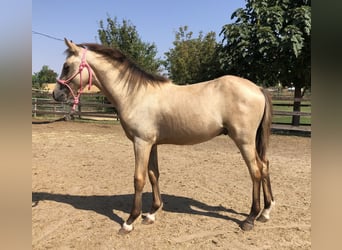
pixel 111 83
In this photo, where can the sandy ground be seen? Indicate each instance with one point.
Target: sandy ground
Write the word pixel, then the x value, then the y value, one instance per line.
pixel 82 186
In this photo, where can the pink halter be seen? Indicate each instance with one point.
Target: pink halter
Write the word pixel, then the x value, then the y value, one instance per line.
pixel 83 65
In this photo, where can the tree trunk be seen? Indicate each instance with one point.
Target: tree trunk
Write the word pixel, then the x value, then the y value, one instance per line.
pixel 296 106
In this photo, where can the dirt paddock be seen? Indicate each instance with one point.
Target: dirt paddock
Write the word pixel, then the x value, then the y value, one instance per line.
pixel 82 190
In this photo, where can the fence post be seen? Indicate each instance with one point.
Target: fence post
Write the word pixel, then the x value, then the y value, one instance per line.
pixel 79 110
pixel 35 108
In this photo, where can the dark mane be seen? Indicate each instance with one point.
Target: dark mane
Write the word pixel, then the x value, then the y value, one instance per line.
pixel 136 74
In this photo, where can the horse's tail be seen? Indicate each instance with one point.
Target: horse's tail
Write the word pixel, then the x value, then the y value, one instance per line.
pixel 264 130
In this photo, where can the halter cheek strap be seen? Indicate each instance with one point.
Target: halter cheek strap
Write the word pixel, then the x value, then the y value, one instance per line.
pixel 66 82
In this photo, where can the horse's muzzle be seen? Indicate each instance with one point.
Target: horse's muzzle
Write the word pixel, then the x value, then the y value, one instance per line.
pixel 59 95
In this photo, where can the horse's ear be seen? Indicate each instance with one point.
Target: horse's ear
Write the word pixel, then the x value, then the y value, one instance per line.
pixel 72 47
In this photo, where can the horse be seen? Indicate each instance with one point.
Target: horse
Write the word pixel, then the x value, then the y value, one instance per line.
pixel 155 111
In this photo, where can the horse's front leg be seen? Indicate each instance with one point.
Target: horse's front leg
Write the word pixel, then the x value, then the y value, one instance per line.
pixel 142 151
pixel 153 174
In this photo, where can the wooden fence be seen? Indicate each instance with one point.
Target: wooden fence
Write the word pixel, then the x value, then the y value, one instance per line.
pixel 96 105
pixel 91 105
pixel 288 103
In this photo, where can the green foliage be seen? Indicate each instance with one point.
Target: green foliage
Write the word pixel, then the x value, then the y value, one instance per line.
pixel 269 42
pixel 45 75
pixel 125 37
pixel 192 59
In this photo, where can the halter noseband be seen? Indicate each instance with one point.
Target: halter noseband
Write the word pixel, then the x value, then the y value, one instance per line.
pixel 83 65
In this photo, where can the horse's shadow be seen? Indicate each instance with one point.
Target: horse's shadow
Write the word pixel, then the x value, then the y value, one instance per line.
pixel 104 205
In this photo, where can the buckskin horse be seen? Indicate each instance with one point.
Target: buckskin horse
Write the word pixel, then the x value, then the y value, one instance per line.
pixel 155 111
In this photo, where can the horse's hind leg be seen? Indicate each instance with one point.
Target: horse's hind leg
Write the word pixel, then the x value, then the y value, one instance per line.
pixel 250 156
pixel 153 174
pixel 268 196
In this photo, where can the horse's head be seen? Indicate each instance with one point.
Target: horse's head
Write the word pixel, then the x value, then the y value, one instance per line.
pixel 73 78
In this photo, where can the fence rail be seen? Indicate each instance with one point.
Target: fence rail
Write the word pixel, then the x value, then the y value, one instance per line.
pixel 96 105
pixel 291 113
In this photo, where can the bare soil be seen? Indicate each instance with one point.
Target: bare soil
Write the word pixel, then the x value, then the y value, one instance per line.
pixel 82 190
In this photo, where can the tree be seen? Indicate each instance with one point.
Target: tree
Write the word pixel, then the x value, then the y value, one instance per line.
pixel 270 42
pixel 125 37
pixel 192 59
pixel 45 75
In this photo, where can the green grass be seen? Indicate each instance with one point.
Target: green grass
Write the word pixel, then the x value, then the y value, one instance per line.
pixel 304 120
pixel 76 119
pixel 86 120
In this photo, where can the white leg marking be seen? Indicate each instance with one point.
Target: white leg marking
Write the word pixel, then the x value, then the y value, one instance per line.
pixel 266 212
pixel 127 227
pixel 151 217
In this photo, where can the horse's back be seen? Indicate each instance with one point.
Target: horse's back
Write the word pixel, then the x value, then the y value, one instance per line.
pixel 232 94
pixel 236 87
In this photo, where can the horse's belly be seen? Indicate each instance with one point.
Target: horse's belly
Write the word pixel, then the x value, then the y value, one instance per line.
pixel 188 136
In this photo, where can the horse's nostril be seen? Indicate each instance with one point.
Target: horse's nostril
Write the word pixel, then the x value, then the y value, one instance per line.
pixel 56 96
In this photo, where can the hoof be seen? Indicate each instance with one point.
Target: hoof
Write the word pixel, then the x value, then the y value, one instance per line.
pixel 247 226
pixel 125 229
pixel 149 219
pixel 262 218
